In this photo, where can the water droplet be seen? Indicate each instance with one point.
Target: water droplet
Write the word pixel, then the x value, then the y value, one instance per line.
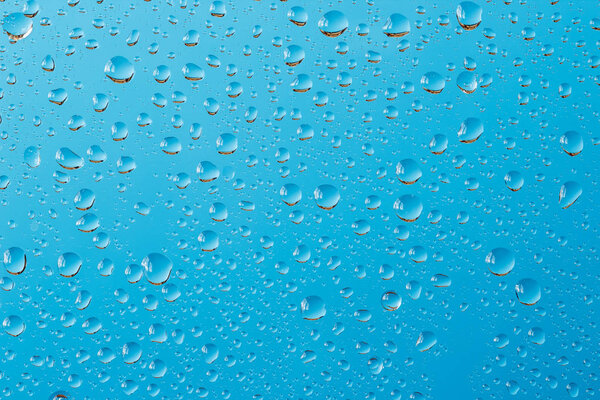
pixel 13 325
pixel 291 194
pixel 157 268
pixel 119 69
pixel 408 171
pixel 408 207
pixel 572 143
pixel 470 130
pixel 327 196
pixel 15 260
pixel 132 352
pixel 397 25
pixel 69 264
pixel 313 308
pixel 333 23
pixel 569 193
pixel 528 291
pixel 391 301
pixel 426 341
pixel 17 26
pixel 68 159
pixel 500 261
pixel 468 15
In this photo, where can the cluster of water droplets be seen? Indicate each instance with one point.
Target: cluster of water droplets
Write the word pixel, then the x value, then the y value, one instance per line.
pixel 369 199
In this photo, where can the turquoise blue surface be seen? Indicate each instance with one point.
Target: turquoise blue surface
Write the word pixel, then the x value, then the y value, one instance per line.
pixel 322 200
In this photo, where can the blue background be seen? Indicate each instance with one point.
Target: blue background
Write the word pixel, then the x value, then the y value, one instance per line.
pixel 234 297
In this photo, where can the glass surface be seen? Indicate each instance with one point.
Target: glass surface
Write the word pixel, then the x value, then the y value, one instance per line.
pixel 299 199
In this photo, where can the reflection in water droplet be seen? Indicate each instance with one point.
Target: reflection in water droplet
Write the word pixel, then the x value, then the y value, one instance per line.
pixel 514 180
pixel 408 171
pixel 470 130
pixel 32 157
pixel 132 352
pixel 157 268
pixel 333 23
pixel 391 301
pixel 528 291
pixel 468 15
pixel 397 25
pixel 433 82
pixel 327 196
pixel 313 308
pixel 17 26
pixel 426 341
pixel 500 261
pixel 227 143
pixel 67 159
pixel 119 69
pixel 13 325
pixel 69 264
pixel 291 194
pixel 15 260
pixel 467 81
pixel 572 143
pixel 408 207
pixel 569 193
pixel 293 55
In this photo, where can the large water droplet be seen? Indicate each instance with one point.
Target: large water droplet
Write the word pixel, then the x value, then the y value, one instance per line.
pixel 468 15
pixel 333 23
pixel 528 291
pixel 313 308
pixel 157 268
pixel 119 69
